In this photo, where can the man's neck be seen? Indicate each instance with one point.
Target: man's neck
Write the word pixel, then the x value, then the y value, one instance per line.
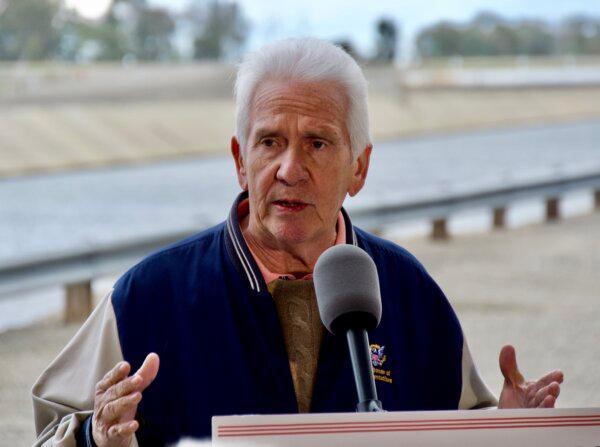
pixel 294 259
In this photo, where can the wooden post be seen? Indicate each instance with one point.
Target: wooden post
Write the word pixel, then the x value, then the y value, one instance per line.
pixel 499 217
pixel 597 199
pixel 439 231
pixel 552 211
pixel 78 302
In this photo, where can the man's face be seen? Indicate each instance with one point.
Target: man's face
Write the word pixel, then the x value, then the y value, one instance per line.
pixel 297 164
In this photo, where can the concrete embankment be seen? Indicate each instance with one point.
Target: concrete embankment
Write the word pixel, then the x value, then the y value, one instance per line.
pixel 61 118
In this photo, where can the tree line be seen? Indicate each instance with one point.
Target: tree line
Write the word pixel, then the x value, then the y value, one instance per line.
pixel 133 30
pixel 130 30
pixel 489 34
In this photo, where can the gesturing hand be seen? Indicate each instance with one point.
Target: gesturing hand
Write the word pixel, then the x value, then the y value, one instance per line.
pixel 517 393
pixel 116 400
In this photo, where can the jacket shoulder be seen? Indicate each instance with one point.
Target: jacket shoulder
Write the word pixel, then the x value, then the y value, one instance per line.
pixel 400 270
pixel 178 254
pixel 383 250
pixel 177 263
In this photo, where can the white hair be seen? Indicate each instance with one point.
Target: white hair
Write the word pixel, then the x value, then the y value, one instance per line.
pixel 304 60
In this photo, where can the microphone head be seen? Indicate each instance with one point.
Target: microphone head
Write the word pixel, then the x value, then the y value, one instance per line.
pixel 347 289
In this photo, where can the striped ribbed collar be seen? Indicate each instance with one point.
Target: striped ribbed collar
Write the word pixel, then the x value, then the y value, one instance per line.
pixel 240 253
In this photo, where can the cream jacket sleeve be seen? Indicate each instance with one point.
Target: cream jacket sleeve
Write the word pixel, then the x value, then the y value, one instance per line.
pixel 63 396
pixel 474 394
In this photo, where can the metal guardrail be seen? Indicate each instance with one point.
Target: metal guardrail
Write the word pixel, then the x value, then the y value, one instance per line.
pixel 442 207
pixel 81 265
pixel 95 262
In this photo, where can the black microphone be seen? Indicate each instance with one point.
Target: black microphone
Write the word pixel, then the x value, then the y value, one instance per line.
pixel 347 289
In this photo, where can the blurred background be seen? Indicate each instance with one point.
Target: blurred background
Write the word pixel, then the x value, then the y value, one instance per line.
pixel 115 121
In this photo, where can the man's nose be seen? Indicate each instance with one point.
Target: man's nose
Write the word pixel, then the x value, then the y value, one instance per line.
pixel 292 168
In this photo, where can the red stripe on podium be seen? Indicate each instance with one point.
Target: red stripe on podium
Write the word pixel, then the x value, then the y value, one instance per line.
pixel 501 420
pixel 400 428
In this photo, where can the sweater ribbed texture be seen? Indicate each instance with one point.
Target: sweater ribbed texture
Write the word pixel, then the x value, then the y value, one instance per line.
pixel 298 312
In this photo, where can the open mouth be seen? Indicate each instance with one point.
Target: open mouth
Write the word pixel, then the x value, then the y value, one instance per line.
pixel 290 205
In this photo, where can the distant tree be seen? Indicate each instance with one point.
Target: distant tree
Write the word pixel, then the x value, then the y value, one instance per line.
pixel 111 37
pixel 152 33
pixel 26 30
pixel 387 40
pixel 573 35
pixel 504 40
pixel 442 39
pixel 535 38
pixel 473 41
pixel 221 29
pixel 580 35
pixel 106 37
pixel 487 34
pixel 486 21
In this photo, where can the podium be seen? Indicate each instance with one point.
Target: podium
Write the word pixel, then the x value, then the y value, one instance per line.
pixel 492 428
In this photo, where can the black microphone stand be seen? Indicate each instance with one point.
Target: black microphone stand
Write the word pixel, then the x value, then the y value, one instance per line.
pixel 360 355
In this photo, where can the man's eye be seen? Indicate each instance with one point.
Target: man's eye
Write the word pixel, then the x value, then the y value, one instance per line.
pixel 318 144
pixel 269 142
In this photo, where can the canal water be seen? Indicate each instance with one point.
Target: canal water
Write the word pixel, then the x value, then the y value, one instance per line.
pixel 46 214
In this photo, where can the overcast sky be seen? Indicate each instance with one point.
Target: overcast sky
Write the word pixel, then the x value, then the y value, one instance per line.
pixel 354 19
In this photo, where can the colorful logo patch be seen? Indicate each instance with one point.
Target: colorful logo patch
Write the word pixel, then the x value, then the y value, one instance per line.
pixel 378 356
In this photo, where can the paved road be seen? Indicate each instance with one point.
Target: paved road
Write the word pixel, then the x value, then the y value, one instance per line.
pixel 48 214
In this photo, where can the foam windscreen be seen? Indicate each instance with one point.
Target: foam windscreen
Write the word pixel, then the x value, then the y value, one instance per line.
pixel 347 287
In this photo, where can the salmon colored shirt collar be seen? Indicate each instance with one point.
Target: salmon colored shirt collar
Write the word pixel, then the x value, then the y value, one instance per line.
pixel 244 209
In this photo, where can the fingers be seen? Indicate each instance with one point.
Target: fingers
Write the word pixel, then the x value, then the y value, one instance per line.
pixel 115 409
pixel 137 382
pixel 115 419
pixel 115 375
pixel 117 397
pixel 124 387
pixel 548 402
pixel 554 376
pixel 148 370
pixel 123 430
pixel 508 366
pixel 552 390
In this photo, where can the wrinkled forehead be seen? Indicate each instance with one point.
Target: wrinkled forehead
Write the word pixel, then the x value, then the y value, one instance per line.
pixel 315 103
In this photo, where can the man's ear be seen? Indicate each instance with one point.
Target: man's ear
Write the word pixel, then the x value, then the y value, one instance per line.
pixel 238 158
pixel 361 168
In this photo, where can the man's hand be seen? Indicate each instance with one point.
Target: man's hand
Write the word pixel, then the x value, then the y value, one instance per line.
pixel 116 400
pixel 517 393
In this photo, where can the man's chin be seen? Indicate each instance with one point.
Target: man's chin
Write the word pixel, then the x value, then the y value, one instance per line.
pixel 289 233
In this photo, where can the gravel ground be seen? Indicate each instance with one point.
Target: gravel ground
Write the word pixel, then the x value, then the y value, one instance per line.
pixel 536 287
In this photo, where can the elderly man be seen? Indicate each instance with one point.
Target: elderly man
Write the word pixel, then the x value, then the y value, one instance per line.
pixel 231 311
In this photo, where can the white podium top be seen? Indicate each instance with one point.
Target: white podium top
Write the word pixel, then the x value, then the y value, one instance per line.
pixel 548 427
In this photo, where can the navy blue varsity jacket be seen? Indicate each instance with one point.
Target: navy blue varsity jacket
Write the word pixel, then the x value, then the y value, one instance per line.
pixel 203 306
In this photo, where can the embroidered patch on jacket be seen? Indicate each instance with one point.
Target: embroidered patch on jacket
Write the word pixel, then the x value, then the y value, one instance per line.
pixel 378 358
